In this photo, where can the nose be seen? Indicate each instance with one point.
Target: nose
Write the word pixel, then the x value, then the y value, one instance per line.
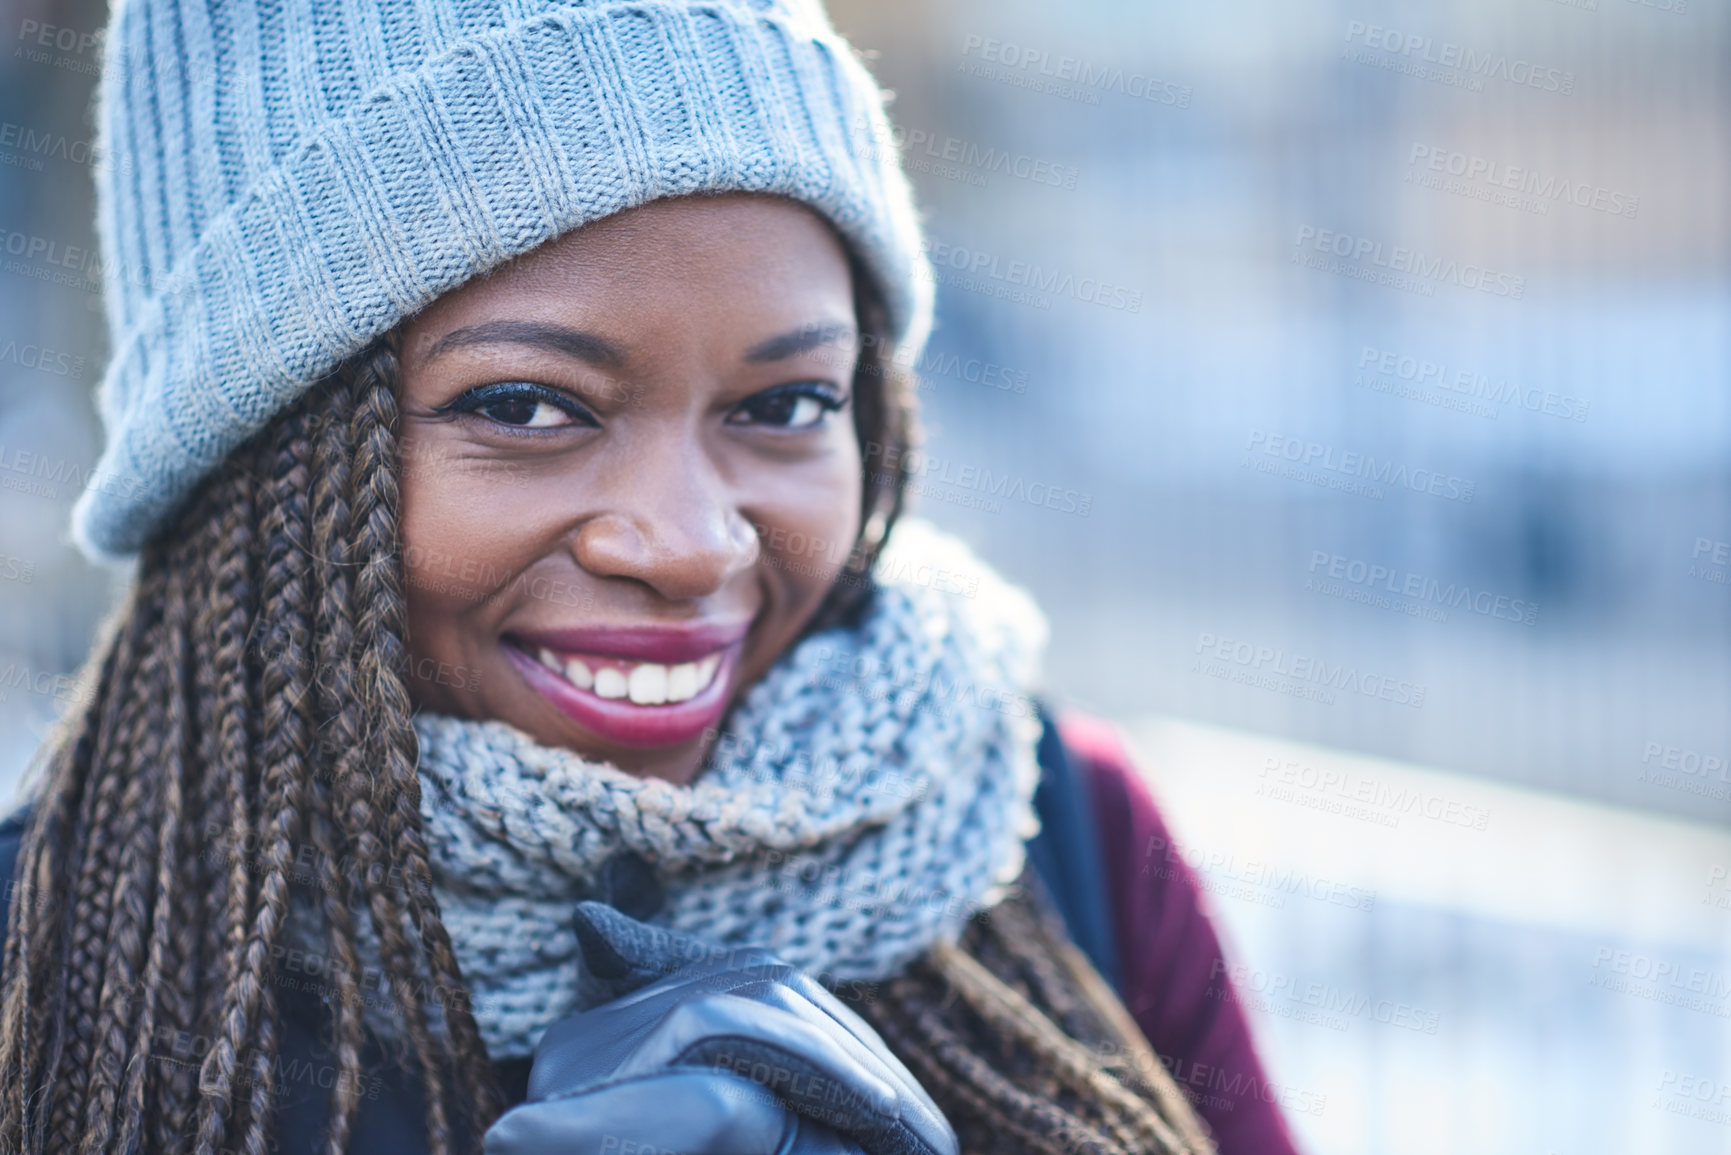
pixel 673 524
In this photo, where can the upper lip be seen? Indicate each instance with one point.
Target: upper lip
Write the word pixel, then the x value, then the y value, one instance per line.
pixel 666 644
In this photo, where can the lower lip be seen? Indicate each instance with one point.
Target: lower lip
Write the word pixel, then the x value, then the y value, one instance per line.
pixel 617 720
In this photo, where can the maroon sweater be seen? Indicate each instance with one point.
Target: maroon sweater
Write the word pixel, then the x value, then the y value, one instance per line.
pixel 1174 976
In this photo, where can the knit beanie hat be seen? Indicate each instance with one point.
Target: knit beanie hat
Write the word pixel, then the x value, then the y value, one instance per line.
pixel 281 183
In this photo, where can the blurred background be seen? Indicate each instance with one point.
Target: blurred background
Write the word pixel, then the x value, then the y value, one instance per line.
pixel 1355 384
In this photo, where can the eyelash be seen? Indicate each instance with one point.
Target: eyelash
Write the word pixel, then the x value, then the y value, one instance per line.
pixel 474 400
pixel 827 397
pixel 485 396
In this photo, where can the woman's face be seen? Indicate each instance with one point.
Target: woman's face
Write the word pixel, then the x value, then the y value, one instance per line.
pixel 629 474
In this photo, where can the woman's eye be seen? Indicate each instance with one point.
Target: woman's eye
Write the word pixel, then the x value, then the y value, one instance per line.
pixel 790 407
pixel 521 405
pixel 520 411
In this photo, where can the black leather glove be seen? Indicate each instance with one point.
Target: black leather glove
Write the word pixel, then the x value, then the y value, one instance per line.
pixel 709 1050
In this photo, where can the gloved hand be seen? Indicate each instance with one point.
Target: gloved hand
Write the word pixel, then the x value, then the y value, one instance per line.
pixel 709 1050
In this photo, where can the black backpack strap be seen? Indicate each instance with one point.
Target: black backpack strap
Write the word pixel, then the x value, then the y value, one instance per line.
pixel 1066 854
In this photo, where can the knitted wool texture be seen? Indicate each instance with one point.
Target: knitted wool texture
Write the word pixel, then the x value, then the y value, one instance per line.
pixel 280 183
pixel 869 794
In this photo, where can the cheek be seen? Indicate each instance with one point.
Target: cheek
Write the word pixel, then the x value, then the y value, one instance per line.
pixel 808 528
pixel 457 549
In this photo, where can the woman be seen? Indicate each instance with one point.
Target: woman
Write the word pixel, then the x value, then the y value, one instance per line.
pixel 506 728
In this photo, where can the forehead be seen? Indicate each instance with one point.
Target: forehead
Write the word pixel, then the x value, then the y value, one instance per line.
pixel 684 264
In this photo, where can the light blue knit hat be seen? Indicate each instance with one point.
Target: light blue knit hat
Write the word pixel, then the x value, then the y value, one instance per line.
pixel 279 184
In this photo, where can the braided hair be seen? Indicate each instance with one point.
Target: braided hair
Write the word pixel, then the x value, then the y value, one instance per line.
pixel 252 692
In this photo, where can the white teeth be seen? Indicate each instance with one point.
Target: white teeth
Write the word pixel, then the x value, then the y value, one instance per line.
pixel 648 684
pixel 645 684
pixel 681 682
pixel 609 683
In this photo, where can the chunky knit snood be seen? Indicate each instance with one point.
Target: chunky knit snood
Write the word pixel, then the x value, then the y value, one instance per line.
pixel 864 799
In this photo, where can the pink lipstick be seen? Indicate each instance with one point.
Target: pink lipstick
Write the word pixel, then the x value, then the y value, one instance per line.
pixel 642 686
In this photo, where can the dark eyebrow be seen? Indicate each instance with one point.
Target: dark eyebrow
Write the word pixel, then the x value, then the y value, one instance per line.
pixel 572 343
pixel 800 340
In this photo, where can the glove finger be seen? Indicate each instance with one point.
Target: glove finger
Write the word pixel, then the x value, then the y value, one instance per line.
pixel 631 954
pixel 849 1019
pixel 622 954
pixel 872 1052
pixel 633 957
pixel 804 1064
pixel 688 1111
pixel 806 1137
pixel 650 967
pixel 584 1050
pixel 611 1032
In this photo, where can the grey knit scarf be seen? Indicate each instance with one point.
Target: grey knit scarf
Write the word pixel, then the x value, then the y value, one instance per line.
pixel 865 798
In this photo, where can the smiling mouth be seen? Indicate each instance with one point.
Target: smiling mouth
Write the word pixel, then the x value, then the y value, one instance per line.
pixel 639 683
pixel 653 688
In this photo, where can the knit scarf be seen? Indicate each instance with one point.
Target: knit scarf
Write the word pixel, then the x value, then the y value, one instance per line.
pixel 864 799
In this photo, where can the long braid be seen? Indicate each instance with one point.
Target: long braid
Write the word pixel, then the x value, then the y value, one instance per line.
pixel 173 942
pixel 343 747
pixel 231 893
pixel 164 949
pixel 979 1024
pixel 288 728
pixel 233 703
pixel 94 893
pixel 381 628
pixel 373 515
pixel 131 906
pixel 256 691
pixel 186 872
pixel 34 950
